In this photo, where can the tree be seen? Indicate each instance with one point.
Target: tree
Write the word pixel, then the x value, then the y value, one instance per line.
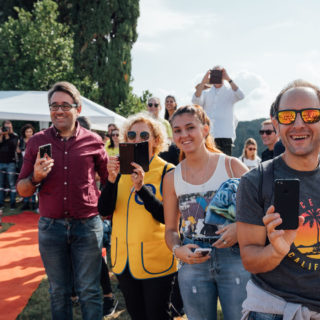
pixel 104 33
pixel 35 50
pixel 133 103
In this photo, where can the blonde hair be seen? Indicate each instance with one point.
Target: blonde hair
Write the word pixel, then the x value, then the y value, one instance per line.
pixel 157 129
pixel 198 112
pixel 249 142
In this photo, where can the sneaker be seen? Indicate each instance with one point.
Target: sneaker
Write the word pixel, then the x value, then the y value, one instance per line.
pixel 109 306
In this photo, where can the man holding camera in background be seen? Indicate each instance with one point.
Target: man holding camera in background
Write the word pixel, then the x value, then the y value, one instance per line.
pixel 218 103
pixel 8 148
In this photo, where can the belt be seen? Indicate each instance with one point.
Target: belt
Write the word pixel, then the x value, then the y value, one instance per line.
pixel 204 240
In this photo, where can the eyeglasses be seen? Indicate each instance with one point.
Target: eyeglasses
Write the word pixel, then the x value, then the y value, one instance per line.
pixel 310 115
pixel 252 149
pixel 150 104
pixel 115 135
pixel 267 132
pixel 64 107
pixel 144 135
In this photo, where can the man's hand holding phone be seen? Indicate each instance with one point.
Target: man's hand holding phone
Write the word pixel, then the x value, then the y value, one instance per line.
pixel 42 167
pixel 280 240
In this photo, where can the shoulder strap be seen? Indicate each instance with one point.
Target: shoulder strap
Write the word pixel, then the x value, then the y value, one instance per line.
pixel 230 167
pixel 164 171
pixel 265 192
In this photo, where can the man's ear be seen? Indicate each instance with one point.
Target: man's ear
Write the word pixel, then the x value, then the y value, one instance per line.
pixel 79 109
pixel 275 124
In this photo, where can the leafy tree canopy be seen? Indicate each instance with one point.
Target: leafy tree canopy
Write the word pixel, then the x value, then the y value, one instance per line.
pixel 35 49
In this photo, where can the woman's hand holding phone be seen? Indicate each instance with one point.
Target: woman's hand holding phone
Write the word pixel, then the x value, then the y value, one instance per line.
pixel 137 176
pixel 113 167
pixel 280 240
pixel 186 254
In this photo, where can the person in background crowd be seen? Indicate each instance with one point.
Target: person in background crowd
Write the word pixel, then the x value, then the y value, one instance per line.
pixel 269 138
pixel 154 107
pixel 84 122
pixel 113 147
pixel 27 131
pixel 218 102
pixel 8 148
pixel 188 190
pixel 140 258
pixel 285 280
pixel 70 228
pixel 249 154
pixel 171 107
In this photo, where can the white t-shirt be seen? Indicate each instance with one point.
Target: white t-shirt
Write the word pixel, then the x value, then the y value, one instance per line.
pixel 218 104
pixel 250 163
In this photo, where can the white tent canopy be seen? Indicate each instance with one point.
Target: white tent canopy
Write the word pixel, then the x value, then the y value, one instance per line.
pixel 33 106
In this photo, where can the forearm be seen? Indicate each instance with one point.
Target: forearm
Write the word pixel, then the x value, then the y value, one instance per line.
pixel 234 87
pixel 152 204
pixel 108 197
pixel 199 89
pixel 172 238
pixel 260 259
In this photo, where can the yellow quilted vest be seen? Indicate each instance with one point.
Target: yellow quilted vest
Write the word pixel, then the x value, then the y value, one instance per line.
pixel 137 238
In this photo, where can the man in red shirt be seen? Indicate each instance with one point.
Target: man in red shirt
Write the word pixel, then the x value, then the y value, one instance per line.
pixel 70 229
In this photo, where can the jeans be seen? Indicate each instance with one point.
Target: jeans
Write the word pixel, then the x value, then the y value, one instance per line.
pixel 71 253
pixel 10 169
pixel 264 316
pixel 221 276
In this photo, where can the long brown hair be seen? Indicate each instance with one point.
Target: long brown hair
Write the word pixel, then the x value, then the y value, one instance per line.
pixel 197 111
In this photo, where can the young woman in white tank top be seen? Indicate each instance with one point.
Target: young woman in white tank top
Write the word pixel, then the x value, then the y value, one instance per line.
pixel 186 193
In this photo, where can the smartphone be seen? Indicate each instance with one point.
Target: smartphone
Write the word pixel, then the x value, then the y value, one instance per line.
pixel 203 251
pixel 133 152
pixel 45 149
pixel 286 202
pixel 216 76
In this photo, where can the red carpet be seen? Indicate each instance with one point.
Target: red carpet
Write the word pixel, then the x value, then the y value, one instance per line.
pixel 21 269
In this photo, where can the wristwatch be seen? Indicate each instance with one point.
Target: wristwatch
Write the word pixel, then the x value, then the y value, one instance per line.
pixel 34 183
pixel 230 81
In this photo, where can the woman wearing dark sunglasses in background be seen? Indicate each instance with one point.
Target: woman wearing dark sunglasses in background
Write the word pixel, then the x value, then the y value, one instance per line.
pixel 249 154
pixel 154 107
pixel 113 147
pixel 144 266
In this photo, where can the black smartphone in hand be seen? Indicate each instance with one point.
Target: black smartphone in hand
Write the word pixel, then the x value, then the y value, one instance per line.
pixel 215 76
pixel 286 202
pixel 45 149
pixel 133 152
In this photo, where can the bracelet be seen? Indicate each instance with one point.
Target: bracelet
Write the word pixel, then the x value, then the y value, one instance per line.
pixel 35 184
pixel 230 81
pixel 174 248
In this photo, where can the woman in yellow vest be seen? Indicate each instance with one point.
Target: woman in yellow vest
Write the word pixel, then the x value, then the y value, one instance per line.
pixel 140 258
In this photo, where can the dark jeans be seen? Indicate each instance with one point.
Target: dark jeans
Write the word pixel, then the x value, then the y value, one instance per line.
pixel 146 299
pixel 224 144
pixel 104 278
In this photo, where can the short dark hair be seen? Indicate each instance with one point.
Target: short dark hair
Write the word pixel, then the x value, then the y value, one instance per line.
pixel 84 122
pixel 67 88
pixel 299 83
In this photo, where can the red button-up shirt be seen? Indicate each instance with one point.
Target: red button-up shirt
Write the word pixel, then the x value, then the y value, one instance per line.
pixel 69 190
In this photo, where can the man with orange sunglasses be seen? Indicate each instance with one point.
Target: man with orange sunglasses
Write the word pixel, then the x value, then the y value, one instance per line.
pixel 284 262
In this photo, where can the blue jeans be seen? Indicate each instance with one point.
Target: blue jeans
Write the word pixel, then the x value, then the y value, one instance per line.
pixel 264 316
pixel 71 253
pixel 10 169
pixel 221 276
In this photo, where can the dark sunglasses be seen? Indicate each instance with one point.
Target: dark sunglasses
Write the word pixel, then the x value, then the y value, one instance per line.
pixel 115 135
pixel 64 107
pixel 267 132
pixel 252 149
pixel 310 115
pixel 144 135
pixel 150 104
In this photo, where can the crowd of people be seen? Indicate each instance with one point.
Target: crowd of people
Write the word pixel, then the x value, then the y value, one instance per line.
pixel 197 227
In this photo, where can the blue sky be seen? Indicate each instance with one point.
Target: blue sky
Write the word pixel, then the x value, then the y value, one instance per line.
pixel 262 44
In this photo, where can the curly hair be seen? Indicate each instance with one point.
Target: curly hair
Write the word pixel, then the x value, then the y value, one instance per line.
pixel 158 130
pixel 25 128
